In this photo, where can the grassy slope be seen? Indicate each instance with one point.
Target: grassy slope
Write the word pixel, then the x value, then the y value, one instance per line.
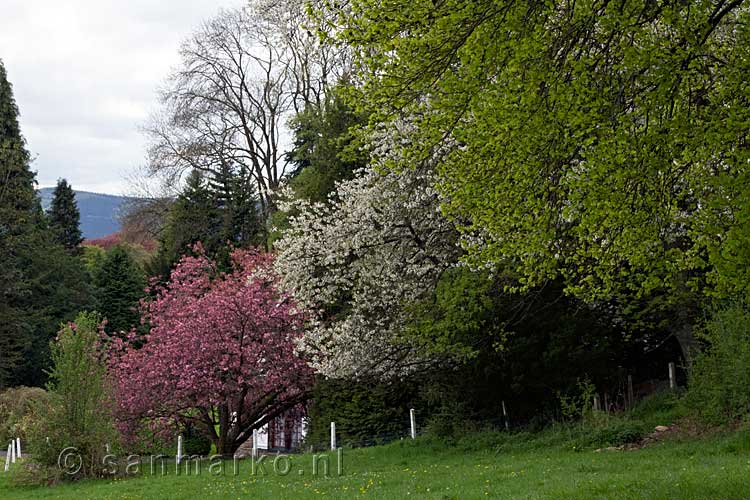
pixel 718 467
pixel 557 463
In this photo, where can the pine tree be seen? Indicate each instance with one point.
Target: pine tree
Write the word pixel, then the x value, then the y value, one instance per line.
pixel 64 217
pixel 120 284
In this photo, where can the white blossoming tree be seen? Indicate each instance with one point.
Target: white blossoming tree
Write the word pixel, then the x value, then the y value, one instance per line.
pixel 359 261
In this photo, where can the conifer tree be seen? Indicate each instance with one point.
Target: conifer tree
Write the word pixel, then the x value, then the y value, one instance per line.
pixel 18 209
pixel 40 284
pixel 64 217
pixel 120 283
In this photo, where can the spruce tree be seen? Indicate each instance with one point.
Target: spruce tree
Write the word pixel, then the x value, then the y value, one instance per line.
pixel 120 284
pixel 64 217
pixel 41 285
pixel 18 214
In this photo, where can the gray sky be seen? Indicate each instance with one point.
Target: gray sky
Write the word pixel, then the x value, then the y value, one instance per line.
pixel 85 74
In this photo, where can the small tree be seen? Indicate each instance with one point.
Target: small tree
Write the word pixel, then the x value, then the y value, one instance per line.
pixel 64 217
pixel 120 282
pixel 79 411
pixel 220 353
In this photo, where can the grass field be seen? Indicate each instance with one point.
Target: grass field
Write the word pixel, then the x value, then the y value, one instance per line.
pixel 486 466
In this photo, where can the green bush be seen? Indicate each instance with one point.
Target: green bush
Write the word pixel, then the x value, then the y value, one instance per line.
pixel 616 433
pixel 197 445
pixel 720 375
pixel 78 411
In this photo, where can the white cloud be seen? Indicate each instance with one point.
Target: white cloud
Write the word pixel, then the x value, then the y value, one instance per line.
pixel 85 74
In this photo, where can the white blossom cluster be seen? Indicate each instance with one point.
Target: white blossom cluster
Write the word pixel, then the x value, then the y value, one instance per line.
pixel 357 263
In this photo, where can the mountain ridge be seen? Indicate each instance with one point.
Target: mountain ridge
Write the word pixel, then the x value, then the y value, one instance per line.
pixel 100 212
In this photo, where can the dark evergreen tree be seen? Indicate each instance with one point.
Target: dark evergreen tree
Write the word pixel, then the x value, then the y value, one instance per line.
pixel 19 208
pixel 64 217
pixel 120 284
pixel 40 284
pixel 325 146
pixel 219 212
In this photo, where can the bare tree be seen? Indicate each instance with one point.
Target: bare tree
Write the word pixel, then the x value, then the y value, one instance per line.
pixel 242 76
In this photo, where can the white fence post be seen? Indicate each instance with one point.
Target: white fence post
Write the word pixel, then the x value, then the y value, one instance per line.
pixel 179 449
pixel 13 451
pixel 333 435
pixel 7 459
pixel 672 378
pixel 413 422
pixel 505 417
pixel 18 447
pixel 255 443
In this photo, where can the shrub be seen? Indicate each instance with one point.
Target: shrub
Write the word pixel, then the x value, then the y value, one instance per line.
pixel 615 433
pixel 78 411
pixel 17 411
pixel 719 377
pixel 197 445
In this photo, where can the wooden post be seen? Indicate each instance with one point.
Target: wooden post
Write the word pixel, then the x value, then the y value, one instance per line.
pixel 505 416
pixel 12 452
pixel 672 377
pixel 606 402
pixel 255 443
pixel 333 435
pixel 7 458
pixel 179 449
pixel 18 448
pixel 413 422
pixel 596 403
pixel 631 396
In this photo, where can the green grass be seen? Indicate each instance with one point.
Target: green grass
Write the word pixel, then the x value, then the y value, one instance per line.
pixel 482 466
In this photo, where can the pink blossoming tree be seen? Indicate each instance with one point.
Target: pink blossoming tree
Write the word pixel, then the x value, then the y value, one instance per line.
pixel 220 352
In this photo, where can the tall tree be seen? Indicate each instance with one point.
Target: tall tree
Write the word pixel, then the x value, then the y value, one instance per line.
pixel 40 284
pixel 242 76
pixel 120 283
pixel 64 217
pixel 603 142
pixel 19 211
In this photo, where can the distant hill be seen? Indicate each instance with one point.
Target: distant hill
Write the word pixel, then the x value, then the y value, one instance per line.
pixel 99 212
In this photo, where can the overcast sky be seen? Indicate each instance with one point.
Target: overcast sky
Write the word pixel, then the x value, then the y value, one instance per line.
pixel 85 74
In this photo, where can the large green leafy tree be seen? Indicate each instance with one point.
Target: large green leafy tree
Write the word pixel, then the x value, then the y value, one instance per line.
pixel 604 142
pixel 40 284
pixel 120 283
pixel 64 217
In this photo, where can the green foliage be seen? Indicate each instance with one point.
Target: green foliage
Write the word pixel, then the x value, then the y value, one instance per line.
pixel 719 377
pixel 64 217
pixel 602 142
pixel 325 147
pixel 19 214
pixel 218 211
pixel 580 402
pixel 93 256
pixel 463 314
pixel 120 284
pixel 365 413
pixel 79 411
pixel 197 445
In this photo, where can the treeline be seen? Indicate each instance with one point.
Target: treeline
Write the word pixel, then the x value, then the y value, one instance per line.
pixel 481 203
